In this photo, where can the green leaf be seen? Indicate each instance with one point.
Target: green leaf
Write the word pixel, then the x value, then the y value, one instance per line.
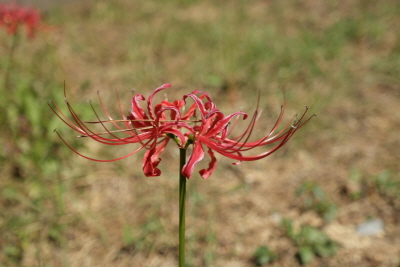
pixel 318 193
pixel 311 235
pixel 127 236
pixel 305 255
pixel 288 227
pixel 264 255
pixel 324 251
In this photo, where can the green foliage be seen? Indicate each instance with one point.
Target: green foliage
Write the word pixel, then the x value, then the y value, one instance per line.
pixel 141 237
pixel 314 198
pixel 127 236
pixel 263 255
pixel 310 242
pixel 388 185
pixel 355 184
pixel 31 188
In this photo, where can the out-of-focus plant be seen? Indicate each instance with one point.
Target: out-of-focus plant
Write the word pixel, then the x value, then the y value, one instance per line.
pixel 385 183
pixel 263 255
pixel 31 190
pixel 310 242
pixel 20 112
pixel 314 198
pixel 388 185
pixel 12 17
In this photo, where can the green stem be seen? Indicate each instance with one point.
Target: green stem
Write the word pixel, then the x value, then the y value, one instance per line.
pixel 182 203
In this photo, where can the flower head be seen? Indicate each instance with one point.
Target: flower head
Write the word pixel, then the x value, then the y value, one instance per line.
pixel 152 128
pixel 13 15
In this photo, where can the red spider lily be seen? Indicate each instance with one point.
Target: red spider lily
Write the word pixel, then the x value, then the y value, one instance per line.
pixel 213 133
pixel 152 130
pixel 12 16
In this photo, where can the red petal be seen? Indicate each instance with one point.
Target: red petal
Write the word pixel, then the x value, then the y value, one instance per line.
pixel 151 160
pixel 205 173
pixel 199 104
pixel 197 155
pixel 174 111
pixel 221 124
pixel 150 100
pixel 137 112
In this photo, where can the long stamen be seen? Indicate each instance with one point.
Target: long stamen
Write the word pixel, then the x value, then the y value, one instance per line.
pixel 126 140
pixel 90 133
pixel 108 115
pixel 99 160
pixel 119 131
pixel 62 117
pixel 249 129
pixel 136 120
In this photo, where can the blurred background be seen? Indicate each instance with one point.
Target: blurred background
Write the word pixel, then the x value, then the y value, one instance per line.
pixel 330 197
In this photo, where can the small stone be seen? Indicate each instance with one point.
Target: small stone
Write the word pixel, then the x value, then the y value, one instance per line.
pixel 276 217
pixel 371 227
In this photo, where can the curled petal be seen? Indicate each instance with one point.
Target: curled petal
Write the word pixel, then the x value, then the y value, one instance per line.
pixel 174 111
pixel 151 159
pixel 150 100
pixel 205 173
pixel 190 113
pixel 216 113
pixel 197 155
pixel 137 112
pixel 203 94
pixel 179 104
pixel 199 104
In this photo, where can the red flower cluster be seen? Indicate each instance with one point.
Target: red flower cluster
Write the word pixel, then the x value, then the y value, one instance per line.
pixel 153 128
pixel 12 16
